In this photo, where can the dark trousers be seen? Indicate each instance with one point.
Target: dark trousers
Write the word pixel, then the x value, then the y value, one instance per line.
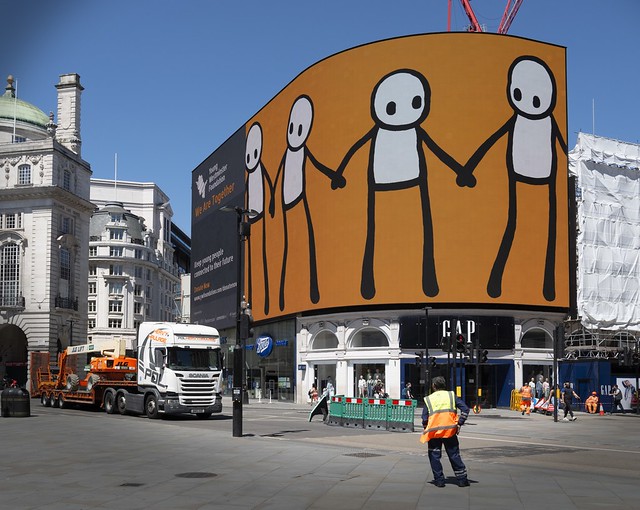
pixel 567 409
pixel 616 404
pixel 452 447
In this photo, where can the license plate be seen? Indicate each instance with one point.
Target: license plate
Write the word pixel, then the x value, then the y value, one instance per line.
pixel 196 411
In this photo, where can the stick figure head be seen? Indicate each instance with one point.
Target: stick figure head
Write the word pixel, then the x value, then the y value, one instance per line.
pixel 401 100
pixel 300 120
pixel 253 149
pixel 531 88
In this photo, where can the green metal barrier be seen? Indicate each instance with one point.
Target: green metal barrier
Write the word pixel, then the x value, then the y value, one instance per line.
pixel 353 412
pixel 401 415
pixel 336 410
pixel 375 413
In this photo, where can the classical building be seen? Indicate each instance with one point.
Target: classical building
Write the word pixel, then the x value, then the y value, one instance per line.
pixel 44 227
pixel 133 272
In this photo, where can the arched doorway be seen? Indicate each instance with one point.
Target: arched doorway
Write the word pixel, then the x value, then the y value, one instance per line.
pixel 368 340
pixel 535 343
pixel 13 353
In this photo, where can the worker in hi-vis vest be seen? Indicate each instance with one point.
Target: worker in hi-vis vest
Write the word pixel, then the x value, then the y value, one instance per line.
pixel 442 424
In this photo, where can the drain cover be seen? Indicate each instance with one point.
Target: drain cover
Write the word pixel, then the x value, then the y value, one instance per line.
pixel 131 484
pixel 196 475
pixel 363 455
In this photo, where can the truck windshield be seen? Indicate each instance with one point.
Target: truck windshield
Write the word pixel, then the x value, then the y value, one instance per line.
pixel 193 359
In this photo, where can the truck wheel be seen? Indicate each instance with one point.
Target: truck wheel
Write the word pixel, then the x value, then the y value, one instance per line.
pixel 121 403
pixel 151 407
pixel 54 400
pixel 44 400
pixel 61 403
pixel 203 416
pixel 109 402
pixel 93 378
pixel 73 382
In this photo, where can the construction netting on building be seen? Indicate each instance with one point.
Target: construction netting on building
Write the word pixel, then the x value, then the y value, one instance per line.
pixel 608 198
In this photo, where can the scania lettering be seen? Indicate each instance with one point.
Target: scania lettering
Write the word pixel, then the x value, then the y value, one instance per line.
pixel 178 370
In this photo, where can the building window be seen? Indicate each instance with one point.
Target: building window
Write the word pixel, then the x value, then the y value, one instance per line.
pixel 116 218
pixel 92 288
pixel 93 251
pixel 137 290
pixel 66 180
pixel 92 270
pixel 11 220
pixel 148 274
pixel 136 325
pixel 91 306
pixel 137 307
pixel 116 233
pixel 138 272
pixel 9 274
pixel 115 270
pixel 66 225
pixel 115 323
pixel 115 251
pixel 138 253
pixel 24 174
pixel 148 294
pixel 91 323
pixel 65 264
pixel 115 306
pixel 115 288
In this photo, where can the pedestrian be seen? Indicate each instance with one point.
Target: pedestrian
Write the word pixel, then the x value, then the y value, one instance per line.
pixel 591 404
pixel 567 399
pixel 546 389
pixel 442 423
pixel 617 399
pixel 406 391
pixel 362 387
pixel 539 392
pixel 370 384
pixel 329 390
pixel 525 399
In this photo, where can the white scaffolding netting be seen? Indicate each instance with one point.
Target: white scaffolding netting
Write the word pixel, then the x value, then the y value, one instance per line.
pixel 608 195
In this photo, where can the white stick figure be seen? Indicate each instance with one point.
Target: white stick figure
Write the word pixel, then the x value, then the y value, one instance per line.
pixel 400 102
pixel 293 168
pixel 532 133
pixel 257 177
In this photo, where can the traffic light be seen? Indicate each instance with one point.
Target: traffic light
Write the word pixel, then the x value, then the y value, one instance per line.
pixel 483 356
pixel 432 362
pixel 635 358
pixel 246 326
pixel 461 345
pixel 626 357
pixel 418 359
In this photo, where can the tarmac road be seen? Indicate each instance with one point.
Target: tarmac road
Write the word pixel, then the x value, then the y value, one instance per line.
pixel 81 459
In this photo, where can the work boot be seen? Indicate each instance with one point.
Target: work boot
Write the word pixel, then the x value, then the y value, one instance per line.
pixel 463 483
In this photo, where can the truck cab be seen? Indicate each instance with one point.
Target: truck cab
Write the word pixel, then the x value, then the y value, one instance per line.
pixel 179 369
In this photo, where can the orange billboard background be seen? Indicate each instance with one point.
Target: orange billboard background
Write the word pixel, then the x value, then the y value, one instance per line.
pixel 467 75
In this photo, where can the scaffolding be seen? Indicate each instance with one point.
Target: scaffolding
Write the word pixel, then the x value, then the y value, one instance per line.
pixel 587 343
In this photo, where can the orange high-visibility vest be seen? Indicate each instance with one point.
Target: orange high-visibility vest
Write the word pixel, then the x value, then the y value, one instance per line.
pixel 443 416
pixel 526 392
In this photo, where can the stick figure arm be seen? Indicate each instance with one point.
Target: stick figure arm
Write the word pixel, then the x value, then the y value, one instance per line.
pixel 440 152
pixel 558 135
pixel 323 168
pixel 272 202
pixel 487 144
pixel 339 180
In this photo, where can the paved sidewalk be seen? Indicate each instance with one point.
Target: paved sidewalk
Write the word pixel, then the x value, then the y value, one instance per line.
pixel 72 459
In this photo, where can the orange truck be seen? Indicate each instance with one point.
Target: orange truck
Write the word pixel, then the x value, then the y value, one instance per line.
pixel 178 370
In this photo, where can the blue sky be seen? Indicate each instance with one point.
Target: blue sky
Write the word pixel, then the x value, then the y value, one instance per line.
pixel 167 82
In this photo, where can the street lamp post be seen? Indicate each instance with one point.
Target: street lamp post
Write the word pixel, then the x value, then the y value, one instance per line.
pixel 242 316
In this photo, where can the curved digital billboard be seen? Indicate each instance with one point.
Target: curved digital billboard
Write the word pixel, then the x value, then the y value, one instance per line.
pixel 424 169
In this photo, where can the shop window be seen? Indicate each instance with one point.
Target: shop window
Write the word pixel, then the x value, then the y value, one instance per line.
pixel 369 338
pixel 325 340
pixel 536 339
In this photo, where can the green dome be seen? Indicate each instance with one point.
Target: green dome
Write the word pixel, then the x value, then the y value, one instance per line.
pixel 23 111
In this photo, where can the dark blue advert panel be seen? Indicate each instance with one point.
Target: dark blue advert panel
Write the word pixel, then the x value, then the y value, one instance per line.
pixel 217 181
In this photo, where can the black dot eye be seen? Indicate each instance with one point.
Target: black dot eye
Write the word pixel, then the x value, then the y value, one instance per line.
pixel 517 94
pixel 255 153
pixel 536 102
pixel 416 103
pixel 391 108
pixel 248 158
pixel 291 128
pixel 299 129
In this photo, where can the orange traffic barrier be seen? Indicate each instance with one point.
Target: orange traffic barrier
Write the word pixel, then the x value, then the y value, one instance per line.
pixel 601 409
